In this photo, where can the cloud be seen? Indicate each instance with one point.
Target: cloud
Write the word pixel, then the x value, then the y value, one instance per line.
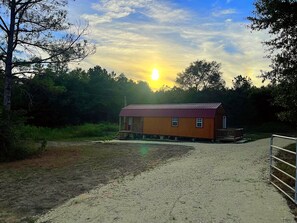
pixel 224 12
pixel 115 9
pixel 109 10
pixel 166 13
pixel 233 45
pixel 169 39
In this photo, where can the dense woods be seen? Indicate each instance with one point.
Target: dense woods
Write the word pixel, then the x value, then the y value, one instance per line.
pixel 77 96
pixel 36 87
pixel 279 18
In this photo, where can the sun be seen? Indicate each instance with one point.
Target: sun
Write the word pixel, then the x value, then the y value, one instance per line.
pixel 155 74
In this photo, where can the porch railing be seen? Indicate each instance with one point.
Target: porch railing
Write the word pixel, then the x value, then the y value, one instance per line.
pixel 231 134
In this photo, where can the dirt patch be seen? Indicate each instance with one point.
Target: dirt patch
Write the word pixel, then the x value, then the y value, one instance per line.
pixel 52 158
pixel 214 183
pixel 31 187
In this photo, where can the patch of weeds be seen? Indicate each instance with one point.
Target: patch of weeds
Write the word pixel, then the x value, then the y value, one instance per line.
pixel 12 145
pixel 253 136
pixel 28 220
pixel 101 131
pixel 265 130
pixel 26 149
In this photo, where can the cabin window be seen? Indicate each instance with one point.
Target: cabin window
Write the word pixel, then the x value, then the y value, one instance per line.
pixel 199 122
pixel 174 122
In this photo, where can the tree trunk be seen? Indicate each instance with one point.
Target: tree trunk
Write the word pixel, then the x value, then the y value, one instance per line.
pixel 8 61
pixel 7 89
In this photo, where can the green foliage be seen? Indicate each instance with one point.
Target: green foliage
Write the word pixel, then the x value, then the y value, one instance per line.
pixel 276 127
pixel 201 75
pixel 242 83
pixel 286 97
pixel 76 97
pixel 25 149
pixel 265 130
pixel 102 131
pixel 11 145
pixel 7 136
pixel 279 18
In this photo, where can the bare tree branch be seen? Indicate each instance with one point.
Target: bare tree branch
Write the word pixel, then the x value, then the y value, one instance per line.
pixel 29 38
pixel 1 48
pixel 4 26
pixel 25 4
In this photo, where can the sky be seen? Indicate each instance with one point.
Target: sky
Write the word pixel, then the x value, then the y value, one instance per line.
pixel 135 37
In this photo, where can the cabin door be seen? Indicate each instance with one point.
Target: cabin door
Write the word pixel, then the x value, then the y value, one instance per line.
pixel 130 121
pixel 224 122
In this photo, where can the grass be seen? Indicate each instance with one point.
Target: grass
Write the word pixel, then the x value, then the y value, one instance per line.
pixel 27 141
pixel 268 127
pixel 101 131
pixel 265 130
pixel 253 136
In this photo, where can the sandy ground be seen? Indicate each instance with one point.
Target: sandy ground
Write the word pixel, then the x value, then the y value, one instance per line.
pixel 33 186
pixel 217 183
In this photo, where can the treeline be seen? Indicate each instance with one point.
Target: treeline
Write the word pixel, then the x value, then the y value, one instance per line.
pixel 74 97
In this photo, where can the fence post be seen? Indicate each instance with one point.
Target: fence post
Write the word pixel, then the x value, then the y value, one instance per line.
pixel 270 158
pixel 296 174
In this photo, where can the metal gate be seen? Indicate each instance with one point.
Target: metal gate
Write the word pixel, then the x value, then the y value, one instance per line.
pixel 272 166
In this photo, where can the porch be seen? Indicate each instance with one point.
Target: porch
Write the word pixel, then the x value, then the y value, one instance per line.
pixel 229 134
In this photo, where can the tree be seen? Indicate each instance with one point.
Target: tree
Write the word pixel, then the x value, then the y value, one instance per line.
pixel 279 18
pixel 241 82
pixel 201 75
pixel 36 32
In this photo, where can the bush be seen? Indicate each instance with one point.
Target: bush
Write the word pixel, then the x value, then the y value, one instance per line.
pixel 7 136
pixel 25 149
pixel 92 130
pixel 99 131
pixel 11 146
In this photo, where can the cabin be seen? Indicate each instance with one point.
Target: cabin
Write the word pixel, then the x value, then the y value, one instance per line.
pixel 197 120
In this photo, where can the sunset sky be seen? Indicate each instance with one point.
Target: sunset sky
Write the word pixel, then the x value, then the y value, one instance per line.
pixel 135 37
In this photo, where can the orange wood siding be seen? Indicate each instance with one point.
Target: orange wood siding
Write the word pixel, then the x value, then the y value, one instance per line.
pixel 186 127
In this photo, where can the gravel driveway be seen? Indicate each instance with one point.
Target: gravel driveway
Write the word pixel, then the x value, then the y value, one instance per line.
pixel 213 183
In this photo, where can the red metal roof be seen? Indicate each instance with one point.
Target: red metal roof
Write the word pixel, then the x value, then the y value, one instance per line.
pixel 206 110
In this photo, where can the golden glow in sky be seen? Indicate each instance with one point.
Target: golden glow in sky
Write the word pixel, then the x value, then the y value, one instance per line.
pixel 155 74
pixel 170 36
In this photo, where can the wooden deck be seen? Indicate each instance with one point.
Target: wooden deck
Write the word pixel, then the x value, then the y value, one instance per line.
pixel 230 134
pixel 128 134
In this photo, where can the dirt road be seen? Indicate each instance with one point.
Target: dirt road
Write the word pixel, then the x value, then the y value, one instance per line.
pixel 217 183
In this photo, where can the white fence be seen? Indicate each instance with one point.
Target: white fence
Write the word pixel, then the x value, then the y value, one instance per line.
pixel 274 158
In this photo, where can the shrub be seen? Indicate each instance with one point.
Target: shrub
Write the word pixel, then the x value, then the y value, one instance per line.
pixel 7 136
pixel 99 131
pixel 11 145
